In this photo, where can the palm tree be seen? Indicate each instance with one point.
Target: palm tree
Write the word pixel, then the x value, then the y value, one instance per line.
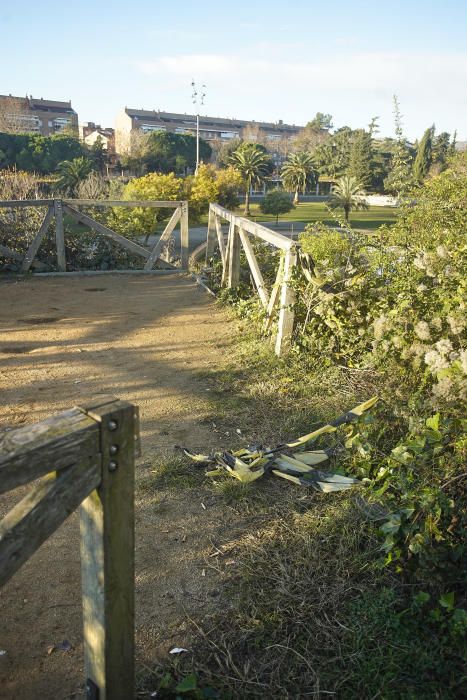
pixel 252 163
pixel 72 172
pixel 348 194
pixel 297 171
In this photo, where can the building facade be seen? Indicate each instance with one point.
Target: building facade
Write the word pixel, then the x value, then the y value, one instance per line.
pixel 37 116
pixel 216 130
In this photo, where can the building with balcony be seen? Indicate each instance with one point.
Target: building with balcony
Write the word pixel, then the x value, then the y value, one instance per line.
pixel 37 116
pixel 215 130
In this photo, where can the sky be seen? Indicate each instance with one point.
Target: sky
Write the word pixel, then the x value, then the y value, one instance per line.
pixel 259 60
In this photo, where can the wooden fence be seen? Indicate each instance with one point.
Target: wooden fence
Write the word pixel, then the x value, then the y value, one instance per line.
pixel 56 208
pixel 282 294
pixel 83 457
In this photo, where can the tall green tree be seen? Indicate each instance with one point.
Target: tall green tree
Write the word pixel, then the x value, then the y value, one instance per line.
pixel 400 179
pixel 423 158
pixel 253 165
pixel 297 172
pixel 332 157
pixel 348 194
pixel 360 158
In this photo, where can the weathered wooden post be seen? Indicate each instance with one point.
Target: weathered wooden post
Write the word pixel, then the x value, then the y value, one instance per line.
pixel 59 235
pixel 233 272
pixel 184 235
pixel 211 235
pixel 287 299
pixel 107 559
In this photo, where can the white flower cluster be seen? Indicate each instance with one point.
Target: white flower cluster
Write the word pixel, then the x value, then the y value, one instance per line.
pixel 456 324
pixel 422 330
pixel 380 326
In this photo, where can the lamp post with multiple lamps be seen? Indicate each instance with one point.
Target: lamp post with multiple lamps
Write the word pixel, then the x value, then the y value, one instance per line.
pixel 198 100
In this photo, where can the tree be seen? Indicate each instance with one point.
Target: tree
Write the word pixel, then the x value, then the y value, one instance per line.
pixel 348 194
pixel 253 165
pixel 224 154
pixel 276 202
pixel 400 179
pixel 153 186
pixel 332 157
pixel 15 116
pixel 423 158
pixel 360 157
pixel 440 153
pixel 166 152
pixel 98 154
pixel 229 182
pixel 297 172
pixel 315 132
pixel 71 173
pixel 320 122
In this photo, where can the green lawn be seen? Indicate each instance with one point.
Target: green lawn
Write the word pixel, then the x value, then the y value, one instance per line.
pixel 316 211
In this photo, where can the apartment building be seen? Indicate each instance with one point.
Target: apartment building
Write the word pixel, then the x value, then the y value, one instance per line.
pixel 91 132
pixel 31 115
pixel 213 129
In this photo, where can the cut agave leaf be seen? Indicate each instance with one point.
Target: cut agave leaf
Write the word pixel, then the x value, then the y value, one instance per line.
pixel 348 417
pixel 315 457
pixel 202 459
pixel 289 463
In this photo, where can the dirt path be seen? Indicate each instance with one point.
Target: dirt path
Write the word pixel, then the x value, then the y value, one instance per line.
pixel 144 339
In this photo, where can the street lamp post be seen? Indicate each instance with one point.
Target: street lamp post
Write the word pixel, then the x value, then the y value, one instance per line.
pixel 198 100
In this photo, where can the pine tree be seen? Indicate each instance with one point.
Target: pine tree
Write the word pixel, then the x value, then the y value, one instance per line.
pixel 400 179
pixel 424 155
pixel 361 157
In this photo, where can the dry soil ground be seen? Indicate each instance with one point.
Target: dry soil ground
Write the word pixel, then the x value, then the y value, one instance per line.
pixel 146 339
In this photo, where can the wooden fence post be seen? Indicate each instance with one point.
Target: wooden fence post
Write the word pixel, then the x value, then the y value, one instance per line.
pixel 286 312
pixel 59 236
pixel 211 236
pixel 233 273
pixel 184 235
pixel 107 559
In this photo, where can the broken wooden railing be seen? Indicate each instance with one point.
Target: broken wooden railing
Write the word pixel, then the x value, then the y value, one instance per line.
pixel 83 457
pixel 282 294
pixel 56 208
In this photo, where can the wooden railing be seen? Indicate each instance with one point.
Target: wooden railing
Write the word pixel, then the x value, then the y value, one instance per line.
pixel 83 458
pixel 56 209
pixel 282 294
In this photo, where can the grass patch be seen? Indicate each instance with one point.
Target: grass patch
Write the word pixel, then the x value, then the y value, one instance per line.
pixel 171 472
pixel 310 212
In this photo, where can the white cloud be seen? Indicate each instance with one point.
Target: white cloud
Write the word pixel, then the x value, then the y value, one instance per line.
pixel 352 85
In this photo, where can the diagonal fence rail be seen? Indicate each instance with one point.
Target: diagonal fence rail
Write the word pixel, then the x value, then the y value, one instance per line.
pixel 82 458
pixel 57 208
pixel 240 235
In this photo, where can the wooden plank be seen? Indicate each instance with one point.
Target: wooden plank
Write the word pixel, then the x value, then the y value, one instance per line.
pixel 53 444
pixel 9 253
pixel 100 228
pixel 14 255
pixel 275 293
pixel 220 239
pixel 184 236
pixel 254 267
pixel 210 237
pixel 233 274
pixel 286 313
pixel 266 234
pixel 107 559
pixel 225 268
pixel 165 235
pixel 34 247
pixel 59 235
pixel 42 511
pixel 21 203
pixel 153 204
